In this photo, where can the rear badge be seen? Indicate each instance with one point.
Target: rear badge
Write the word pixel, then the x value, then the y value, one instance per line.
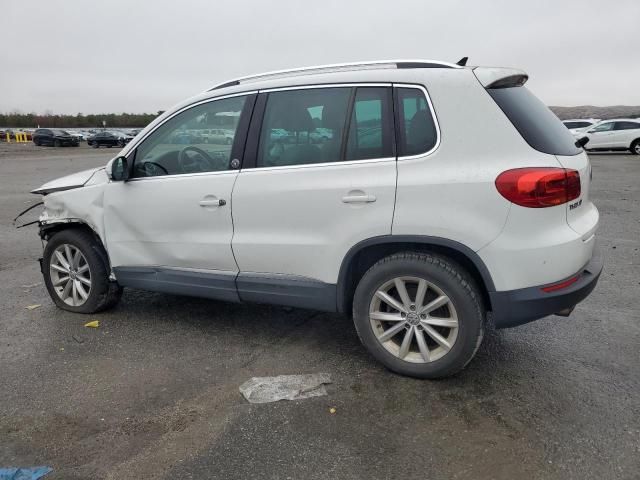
pixel 575 205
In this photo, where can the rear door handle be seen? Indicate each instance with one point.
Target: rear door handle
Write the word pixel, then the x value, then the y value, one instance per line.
pixel 359 198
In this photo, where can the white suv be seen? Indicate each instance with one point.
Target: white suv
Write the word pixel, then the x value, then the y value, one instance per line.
pixel 622 134
pixel 443 197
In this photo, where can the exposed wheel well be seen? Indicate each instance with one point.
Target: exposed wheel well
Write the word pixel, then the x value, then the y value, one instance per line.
pixel 47 231
pixel 358 264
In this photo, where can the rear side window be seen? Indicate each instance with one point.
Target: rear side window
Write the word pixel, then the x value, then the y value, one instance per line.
pixel 540 128
pixel 416 132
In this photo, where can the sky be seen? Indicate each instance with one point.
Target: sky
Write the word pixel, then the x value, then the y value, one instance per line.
pixel 70 56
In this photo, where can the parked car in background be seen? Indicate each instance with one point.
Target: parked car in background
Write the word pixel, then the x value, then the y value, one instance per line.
pixel 106 139
pixel 53 137
pixel 394 219
pixel 218 135
pixel 577 125
pixel 77 135
pixel 615 135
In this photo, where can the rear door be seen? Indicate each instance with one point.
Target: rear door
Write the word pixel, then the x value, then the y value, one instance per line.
pixel 624 133
pixel 300 205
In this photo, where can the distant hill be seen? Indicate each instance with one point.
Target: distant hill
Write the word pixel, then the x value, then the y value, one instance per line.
pixel 603 113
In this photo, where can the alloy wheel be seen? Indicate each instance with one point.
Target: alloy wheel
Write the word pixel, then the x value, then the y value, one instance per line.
pixel 70 275
pixel 413 319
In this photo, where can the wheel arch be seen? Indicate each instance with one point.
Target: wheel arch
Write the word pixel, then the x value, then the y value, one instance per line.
pixel 364 254
pixel 47 230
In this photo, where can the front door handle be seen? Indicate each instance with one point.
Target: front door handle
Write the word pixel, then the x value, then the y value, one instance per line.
pixel 210 201
pixel 358 197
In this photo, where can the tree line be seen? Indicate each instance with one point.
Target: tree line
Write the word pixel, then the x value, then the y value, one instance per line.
pixel 50 120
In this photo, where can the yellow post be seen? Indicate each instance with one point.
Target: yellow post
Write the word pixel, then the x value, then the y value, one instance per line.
pixel 8 138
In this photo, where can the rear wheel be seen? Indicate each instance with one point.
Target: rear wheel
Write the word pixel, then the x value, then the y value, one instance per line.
pixel 56 143
pixel 635 147
pixel 419 314
pixel 36 142
pixel 75 273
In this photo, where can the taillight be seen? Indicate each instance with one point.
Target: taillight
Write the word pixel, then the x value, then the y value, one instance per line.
pixel 539 187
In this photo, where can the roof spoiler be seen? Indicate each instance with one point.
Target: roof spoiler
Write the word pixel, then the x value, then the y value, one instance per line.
pixel 496 77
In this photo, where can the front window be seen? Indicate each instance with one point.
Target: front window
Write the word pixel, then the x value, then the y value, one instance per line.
pixel 603 127
pixel 186 143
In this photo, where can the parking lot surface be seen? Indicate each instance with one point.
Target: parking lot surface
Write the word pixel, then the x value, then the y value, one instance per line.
pixel 153 392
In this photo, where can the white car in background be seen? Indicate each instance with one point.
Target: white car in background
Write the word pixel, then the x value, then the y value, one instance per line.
pixel 616 134
pixel 578 125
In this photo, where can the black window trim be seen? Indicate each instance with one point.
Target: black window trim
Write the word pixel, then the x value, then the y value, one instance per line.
pixel 434 116
pixel 249 162
pixel 237 150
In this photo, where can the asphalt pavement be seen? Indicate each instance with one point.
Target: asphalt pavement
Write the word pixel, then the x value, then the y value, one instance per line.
pixel 153 392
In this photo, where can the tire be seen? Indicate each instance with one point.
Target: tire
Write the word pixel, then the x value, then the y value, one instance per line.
pixel 444 279
pixel 56 143
pixel 37 143
pixel 94 145
pixel 92 266
pixel 635 147
pixel 109 145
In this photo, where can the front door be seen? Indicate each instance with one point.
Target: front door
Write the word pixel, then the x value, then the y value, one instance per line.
pixel 601 136
pixel 169 227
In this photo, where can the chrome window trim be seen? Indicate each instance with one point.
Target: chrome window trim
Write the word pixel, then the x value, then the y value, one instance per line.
pixel 433 116
pixel 326 85
pixel 323 164
pixel 182 175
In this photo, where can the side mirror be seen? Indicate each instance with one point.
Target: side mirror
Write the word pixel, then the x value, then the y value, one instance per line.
pixel 580 143
pixel 118 169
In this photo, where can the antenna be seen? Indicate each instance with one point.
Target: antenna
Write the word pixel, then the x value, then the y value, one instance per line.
pixel 462 62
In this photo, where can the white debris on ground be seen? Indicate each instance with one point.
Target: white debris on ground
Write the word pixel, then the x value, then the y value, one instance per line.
pixel 285 387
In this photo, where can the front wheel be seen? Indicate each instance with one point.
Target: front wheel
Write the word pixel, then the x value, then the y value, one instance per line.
pixel 57 143
pixel 420 315
pixel 635 147
pixel 75 273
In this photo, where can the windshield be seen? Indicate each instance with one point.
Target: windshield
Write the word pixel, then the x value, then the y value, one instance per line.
pixel 536 123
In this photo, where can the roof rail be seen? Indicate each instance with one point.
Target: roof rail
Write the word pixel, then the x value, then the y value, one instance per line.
pixel 338 67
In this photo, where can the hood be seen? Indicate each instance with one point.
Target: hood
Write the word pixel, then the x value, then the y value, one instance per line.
pixel 75 180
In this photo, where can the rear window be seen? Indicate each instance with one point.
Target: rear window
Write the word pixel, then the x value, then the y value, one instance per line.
pixel 536 123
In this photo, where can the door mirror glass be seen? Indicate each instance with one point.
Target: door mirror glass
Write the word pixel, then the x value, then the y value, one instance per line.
pixel 118 169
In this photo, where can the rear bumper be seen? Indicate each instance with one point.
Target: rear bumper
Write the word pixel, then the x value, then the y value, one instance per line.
pixel 515 307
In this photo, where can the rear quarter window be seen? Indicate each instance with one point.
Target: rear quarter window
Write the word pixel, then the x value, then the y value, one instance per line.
pixel 538 125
